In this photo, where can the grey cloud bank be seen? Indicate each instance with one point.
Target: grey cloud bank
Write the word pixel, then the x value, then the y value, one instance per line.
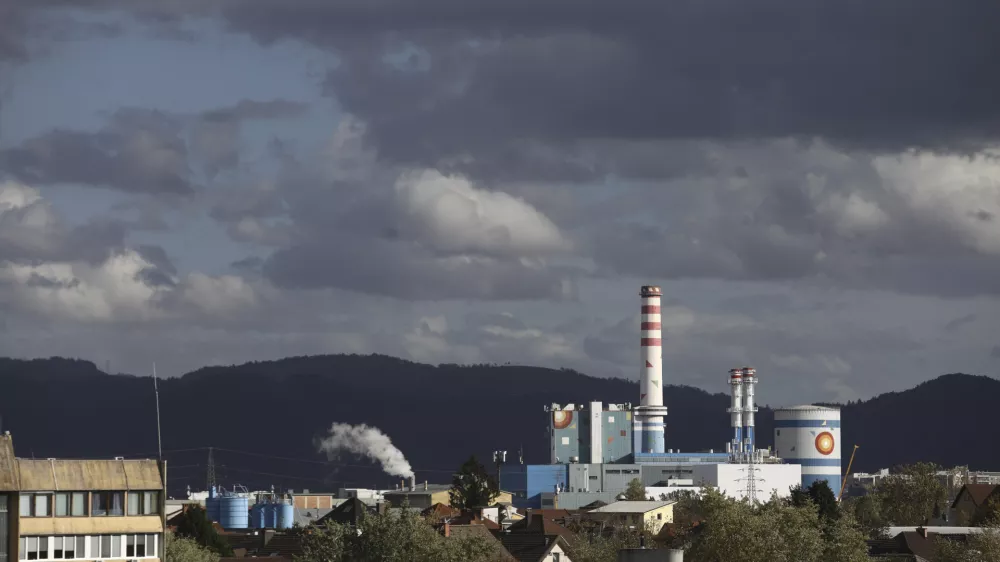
pixel 815 190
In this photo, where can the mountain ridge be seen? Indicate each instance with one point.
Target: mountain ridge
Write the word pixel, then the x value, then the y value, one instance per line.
pixel 436 414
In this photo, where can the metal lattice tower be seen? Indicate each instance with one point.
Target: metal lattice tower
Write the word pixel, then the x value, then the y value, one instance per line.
pixel 752 481
pixel 210 477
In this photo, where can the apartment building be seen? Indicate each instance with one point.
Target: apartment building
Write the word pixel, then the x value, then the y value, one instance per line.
pixel 61 509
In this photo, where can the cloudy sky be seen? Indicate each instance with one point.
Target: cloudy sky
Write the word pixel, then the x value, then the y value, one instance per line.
pixel 815 184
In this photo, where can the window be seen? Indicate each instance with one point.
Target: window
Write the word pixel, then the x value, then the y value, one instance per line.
pixel 78 506
pixel 116 546
pixel 134 499
pixel 105 546
pixel 140 546
pixel 36 505
pixel 43 503
pixel 81 547
pixel 556 557
pixel 107 503
pixel 151 503
pixel 62 505
pixel 659 516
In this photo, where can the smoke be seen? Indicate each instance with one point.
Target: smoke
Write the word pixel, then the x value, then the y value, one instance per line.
pixel 368 442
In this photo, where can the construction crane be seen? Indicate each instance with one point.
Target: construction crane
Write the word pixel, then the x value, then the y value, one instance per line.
pixel 848 471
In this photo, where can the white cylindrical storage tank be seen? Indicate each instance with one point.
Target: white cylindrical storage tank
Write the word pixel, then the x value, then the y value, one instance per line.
pixel 810 436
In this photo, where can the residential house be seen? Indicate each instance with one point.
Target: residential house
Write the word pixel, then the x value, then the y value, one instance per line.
pixel 531 547
pixel 421 498
pixel 57 509
pixel 971 502
pixel 651 515
pixel 497 551
pixel 916 546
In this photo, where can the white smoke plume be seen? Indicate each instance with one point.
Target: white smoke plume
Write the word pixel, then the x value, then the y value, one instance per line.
pixel 368 442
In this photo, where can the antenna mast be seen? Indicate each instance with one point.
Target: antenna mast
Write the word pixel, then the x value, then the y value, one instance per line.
pixel 159 438
pixel 210 477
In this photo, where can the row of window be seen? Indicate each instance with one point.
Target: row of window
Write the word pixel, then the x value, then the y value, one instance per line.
pixel 95 504
pixel 89 547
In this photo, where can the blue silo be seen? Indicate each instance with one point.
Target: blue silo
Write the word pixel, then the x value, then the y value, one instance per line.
pixel 286 516
pixel 257 516
pixel 212 505
pixel 271 518
pixel 234 512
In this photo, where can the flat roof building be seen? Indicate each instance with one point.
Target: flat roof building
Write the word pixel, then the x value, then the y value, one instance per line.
pixel 60 509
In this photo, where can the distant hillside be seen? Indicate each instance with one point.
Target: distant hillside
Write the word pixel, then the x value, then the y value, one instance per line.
pixel 436 415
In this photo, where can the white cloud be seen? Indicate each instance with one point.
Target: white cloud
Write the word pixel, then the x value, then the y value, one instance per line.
pixel 453 216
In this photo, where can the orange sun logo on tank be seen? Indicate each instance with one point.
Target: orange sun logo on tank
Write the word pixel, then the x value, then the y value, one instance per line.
pixel 561 419
pixel 824 443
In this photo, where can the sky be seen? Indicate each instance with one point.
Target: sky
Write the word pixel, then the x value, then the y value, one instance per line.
pixel 814 184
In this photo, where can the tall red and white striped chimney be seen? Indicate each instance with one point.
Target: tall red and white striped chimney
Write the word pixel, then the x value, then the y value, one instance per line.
pixel 648 427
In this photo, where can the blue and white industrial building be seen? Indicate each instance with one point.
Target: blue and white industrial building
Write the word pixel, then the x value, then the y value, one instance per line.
pixel 596 449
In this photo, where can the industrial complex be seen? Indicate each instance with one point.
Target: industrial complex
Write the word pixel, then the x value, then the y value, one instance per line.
pixel 596 449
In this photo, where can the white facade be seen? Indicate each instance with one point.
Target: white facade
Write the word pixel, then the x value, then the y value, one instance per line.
pixel 810 436
pixel 731 479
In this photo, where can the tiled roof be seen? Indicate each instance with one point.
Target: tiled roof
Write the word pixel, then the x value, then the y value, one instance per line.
pixel 632 506
pixel 978 492
pixel 527 547
pixel 497 551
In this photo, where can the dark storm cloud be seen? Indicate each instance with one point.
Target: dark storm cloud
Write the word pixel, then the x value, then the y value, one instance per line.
pixel 139 151
pixel 559 71
pixel 405 270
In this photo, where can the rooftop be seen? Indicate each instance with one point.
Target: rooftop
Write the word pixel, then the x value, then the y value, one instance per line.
pixel 431 489
pixel 808 407
pixel 632 506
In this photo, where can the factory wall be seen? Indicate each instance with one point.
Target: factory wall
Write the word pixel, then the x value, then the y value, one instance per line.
pixel 731 479
pixel 585 478
pixel 527 482
pixel 810 436
pixel 616 432
pixel 617 476
pixel 565 432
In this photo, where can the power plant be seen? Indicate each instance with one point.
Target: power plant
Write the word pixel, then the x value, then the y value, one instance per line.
pixel 597 448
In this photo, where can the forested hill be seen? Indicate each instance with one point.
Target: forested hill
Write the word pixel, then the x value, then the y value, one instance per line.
pixel 437 415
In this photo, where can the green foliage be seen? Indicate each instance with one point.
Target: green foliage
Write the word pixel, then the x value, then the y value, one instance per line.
pixel 867 511
pixel 844 540
pixel 979 547
pixel 911 495
pixel 183 549
pixel 195 524
pixel 472 486
pixel 599 545
pixel 635 491
pixel 392 537
pixel 777 531
pixel 818 495
pixel 988 514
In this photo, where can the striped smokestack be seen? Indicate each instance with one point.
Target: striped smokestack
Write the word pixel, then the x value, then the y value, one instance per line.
pixel 648 427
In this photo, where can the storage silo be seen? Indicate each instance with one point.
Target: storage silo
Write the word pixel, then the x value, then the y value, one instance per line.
pixel 212 505
pixel 234 512
pixel 286 516
pixel 810 436
pixel 257 516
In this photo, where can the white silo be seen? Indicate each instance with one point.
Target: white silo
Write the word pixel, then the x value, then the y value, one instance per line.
pixel 810 436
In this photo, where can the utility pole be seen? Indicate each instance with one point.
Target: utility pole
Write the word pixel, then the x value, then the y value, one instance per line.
pixel 159 439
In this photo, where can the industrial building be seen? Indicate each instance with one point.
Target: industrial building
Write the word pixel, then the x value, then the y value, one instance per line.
pixel 596 449
pixel 80 509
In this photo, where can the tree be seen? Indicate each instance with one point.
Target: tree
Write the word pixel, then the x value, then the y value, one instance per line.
pixel 183 549
pixel 867 511
pixel 977 547
pixel 818 495
pixel 844 540
pixel 194 524
pixel 603 545
pixel 911 495
pixel 396 536
pixel 715 527
pixel 472 486
pixel 635 491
